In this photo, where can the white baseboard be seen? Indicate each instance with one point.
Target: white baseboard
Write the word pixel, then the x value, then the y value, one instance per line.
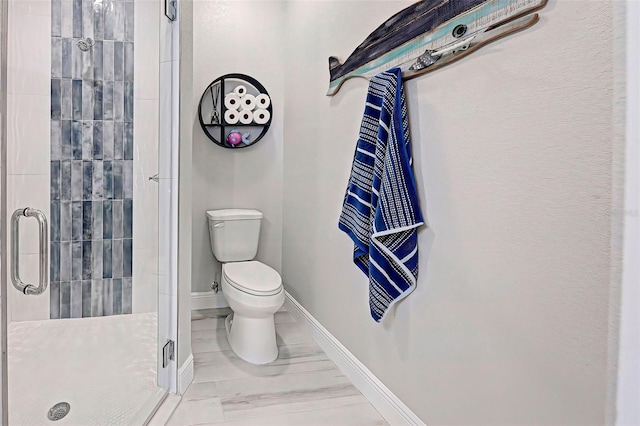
pixel 185 375
pixel 387 404
pixel 208 300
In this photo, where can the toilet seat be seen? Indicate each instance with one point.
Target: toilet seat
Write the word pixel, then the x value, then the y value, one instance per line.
pixel 252 277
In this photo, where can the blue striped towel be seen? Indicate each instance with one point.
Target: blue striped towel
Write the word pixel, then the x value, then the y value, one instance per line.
pixel 381 212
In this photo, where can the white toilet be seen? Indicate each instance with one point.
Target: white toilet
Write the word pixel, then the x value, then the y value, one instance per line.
pixel 254 290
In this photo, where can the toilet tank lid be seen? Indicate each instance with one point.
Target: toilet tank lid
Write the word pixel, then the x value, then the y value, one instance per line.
pixel 234 214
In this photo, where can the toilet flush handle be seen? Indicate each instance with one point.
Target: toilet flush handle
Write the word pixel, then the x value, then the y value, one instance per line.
pixel 218 225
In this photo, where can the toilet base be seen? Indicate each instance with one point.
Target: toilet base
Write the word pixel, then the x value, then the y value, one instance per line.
pixel 252 339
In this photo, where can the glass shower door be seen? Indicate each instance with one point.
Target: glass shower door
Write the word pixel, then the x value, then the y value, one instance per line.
pixel 80 212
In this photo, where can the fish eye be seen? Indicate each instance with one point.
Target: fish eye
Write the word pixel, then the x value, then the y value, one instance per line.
pixel 459 31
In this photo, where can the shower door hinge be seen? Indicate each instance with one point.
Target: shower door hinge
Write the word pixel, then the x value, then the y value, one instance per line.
pixel 168 353
pixel 170 9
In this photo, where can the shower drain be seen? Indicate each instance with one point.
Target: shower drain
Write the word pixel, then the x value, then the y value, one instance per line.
pixel 58 411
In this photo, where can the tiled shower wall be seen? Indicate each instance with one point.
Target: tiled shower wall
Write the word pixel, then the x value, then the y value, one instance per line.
pixel 91 158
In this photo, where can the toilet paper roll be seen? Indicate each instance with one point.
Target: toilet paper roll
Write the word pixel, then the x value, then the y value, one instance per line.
pixel 248 102
pixel 263 101
pixel 231 116
pixel 240 90
pixel 261 116
pixel 246 116
pixel 232 101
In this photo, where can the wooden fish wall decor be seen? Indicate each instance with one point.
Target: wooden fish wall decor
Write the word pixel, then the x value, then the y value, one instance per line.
pixel 431 34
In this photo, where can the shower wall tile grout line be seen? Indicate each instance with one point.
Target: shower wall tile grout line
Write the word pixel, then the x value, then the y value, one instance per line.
pixel 91 158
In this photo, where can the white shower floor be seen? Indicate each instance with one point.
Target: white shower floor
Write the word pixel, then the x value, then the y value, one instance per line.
pixel 104 367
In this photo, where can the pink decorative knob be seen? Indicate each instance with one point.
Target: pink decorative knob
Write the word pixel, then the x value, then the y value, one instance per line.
pixel 234 137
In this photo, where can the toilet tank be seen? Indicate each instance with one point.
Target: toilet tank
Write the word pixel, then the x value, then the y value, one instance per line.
pixel 234 234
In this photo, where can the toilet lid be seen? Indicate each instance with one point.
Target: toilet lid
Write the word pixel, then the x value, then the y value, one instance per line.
pixel 252 277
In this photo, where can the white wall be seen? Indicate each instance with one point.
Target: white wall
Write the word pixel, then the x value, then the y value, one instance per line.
pixel 28 140
pixel 513 160
pixel 250 177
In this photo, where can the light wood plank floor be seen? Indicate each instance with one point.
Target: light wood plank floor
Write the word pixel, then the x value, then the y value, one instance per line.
pixel 302 387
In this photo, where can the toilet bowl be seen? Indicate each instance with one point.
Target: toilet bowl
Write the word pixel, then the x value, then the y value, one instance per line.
pixel 254 292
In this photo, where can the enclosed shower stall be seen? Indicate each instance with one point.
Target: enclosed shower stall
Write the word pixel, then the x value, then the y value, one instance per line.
pixel 88 208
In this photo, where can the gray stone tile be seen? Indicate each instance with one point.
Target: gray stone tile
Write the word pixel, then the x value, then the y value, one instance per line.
pixel 118 61
pixel 128 61
pixel 87 140
pixel 56 18
pixel 97 182
pixel 129 11
pixel 107 64
pixel 76 99
pixel 107 180
pixel 96 259
pixel 56 140
pixel 76 261
pixel 87 261
pixel 87 228
pixel 67 56
pixel 76 299
pixel 55 180
pixel 118 140
pixel 86 299
pixel 77 179
pixel 118 101
pixel 118 219
pixel 117 296
pixel 55 224
pixel 87 18
pixel 65 180
pixel 77 18
pixel 128 141
pixel 67 18
pixel 65 261
pixel 65 99
pixel 65 221
pixel 98 65
pixel 107 258
pixel 96 217
pixel 127 257
pixel 128 179
pixel 96 297
pixel 109 19
pixel 98 21
pixel 107 220
pixel 127 225
pixel 76 227
pixel 65 300
pixel 127 297
pixel 56 57
pixel 77 60
pixel 118 21
pixel 54 268
pixel 97 140
pixel 116 259
pixel 128 101
pixel 118 192
pixel 76 140
pixel 87 100
pixel 87 180
pixel 97 100
pixel 56 92
pixel 107 140
pixel 107 297
pixel 107 100
pixel 66 151
pixel 54 300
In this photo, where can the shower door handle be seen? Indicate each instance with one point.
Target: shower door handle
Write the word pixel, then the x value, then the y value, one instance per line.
pixel 43 233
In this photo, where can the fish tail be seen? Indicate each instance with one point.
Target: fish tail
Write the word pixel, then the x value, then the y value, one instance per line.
pixel 334 63
pixel 335 79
